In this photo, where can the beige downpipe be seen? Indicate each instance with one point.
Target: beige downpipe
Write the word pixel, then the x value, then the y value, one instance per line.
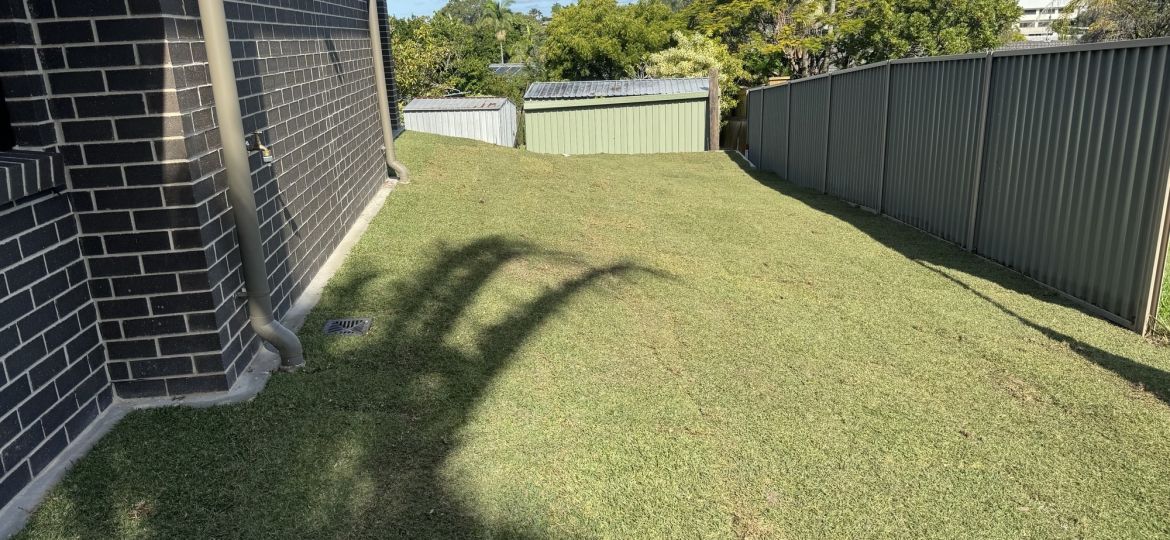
pixel 392 162
pixel 240 194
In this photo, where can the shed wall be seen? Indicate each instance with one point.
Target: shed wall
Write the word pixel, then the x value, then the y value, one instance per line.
pixel 496 127
pixel 636 128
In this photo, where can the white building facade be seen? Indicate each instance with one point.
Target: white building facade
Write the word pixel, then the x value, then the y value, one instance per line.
pixel 1037 18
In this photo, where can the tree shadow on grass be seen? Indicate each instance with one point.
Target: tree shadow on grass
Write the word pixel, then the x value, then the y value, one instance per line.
pixel 355 445
pixel 933 254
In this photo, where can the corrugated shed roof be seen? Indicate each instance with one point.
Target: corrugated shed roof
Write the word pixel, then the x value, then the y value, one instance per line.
pixel 634 87
pixel 455 104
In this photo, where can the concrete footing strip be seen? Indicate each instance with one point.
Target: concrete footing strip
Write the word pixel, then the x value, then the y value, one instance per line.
pixel 15 514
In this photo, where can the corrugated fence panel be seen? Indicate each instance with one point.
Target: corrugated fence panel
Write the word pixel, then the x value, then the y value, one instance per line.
pixel 856 132
pixel 932 144
pixel 1075 171
pixel 808 132
pixel 775 127
pixel 1063 155
pixel 756 149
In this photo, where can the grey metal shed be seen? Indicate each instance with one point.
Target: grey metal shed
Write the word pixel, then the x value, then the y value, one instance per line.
pixel 488 119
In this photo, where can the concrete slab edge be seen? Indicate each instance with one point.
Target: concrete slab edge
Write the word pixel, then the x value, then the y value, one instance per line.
pixel 14 516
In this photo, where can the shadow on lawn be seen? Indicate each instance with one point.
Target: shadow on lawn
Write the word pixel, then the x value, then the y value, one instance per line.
pixel 425 312
pixel 355 444
pixel 933 254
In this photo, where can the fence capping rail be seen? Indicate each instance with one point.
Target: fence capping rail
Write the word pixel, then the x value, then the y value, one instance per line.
pixel 1083 47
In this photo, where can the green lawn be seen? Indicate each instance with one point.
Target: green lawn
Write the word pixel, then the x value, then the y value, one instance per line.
pixel 655 347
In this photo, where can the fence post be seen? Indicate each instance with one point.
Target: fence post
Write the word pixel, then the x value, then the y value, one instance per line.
pixel 759 161
pixel 980 145
pixel 788 132
pixel 828 135
pixel 881 202
pixel 713 108
pixel 1149 309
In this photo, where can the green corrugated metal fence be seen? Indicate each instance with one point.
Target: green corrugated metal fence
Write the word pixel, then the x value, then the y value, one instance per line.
pixel 1053 162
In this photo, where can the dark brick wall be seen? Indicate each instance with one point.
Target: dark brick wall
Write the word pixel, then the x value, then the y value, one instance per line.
pixel 52 381
pixel 119 79
pixel 306 83
pixel 125 263
pixel 129 105
pixel 24 85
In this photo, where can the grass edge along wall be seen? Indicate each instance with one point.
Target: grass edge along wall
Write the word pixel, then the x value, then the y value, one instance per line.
pixel 1056 162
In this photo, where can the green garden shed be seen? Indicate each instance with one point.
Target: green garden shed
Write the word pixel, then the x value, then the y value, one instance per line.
pixel 642 116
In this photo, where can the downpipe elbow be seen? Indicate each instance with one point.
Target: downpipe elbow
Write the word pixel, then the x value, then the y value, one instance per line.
pixel 292 356
pixel 400 172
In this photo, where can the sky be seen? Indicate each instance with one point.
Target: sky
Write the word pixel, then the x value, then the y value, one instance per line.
pixel 407 8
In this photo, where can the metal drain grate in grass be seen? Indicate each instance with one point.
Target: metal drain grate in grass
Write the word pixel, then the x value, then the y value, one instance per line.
pixel 347 327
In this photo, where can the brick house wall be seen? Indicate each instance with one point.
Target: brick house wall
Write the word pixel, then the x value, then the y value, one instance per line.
pixel 117 93
pixel 306 82
pixel 52 383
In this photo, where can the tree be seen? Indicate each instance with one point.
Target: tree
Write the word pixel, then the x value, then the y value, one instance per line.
pixel 876 30
pixel 449 53
pixel 599 39
pixel 693 56
pixel 806 37
pixel 1104 20
pixel 498 18
pixel 466 11
pixel 769 36
pixel 421 58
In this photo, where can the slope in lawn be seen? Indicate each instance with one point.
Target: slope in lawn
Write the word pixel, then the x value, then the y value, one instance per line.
pixel 649 347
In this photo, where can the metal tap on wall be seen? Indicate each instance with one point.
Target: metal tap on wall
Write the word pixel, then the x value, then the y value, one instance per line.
pixel 255 143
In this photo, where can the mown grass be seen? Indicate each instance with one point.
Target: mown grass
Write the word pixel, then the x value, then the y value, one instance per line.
pixel 655 347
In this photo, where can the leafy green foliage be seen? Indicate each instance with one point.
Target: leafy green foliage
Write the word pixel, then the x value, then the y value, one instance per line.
pixel 1104 20
pixel 422 58
pixel 450 52
pixel 693 55
pixel 770 36
pixel 599 39
pixel 875 30
pixel 806 37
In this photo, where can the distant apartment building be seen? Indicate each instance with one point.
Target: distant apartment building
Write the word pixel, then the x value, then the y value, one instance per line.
pixel 1037 18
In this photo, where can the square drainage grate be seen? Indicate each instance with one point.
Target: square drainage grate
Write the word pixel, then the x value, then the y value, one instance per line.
pixel 347 327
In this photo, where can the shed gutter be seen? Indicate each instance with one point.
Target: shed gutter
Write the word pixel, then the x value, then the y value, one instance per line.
pixel 543 104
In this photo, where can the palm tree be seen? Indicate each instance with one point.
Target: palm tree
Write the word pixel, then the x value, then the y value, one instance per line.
pixel 497 15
